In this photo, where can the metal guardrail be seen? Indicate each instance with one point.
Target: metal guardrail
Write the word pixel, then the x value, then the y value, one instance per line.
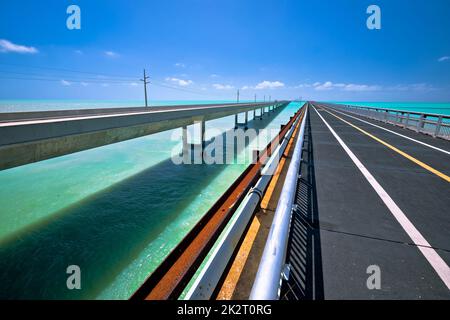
pixel 436 125
pixel 270 272
pixel 206 283
pixel 171 277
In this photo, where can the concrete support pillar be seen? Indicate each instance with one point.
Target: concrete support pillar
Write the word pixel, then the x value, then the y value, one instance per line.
pixel 236 121
pixel 202 134
pixel 186 146
pixel 261 113
pixel 246 120
pixel 199 147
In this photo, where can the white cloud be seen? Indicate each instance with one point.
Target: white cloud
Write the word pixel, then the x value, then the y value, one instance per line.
pixel 328 85
pixel 442 59
pixel 361 87
pixel 111 54
pixel 265 85
pixel 302 85
pixel 134 84
pixel 214 75
pixel 180 65
pixel 65 83
pixel 418 87
pixel 84 84
pixel 269 85
pixel 222 86
pixel 79 52
pixel 105 85
pixel 325 86
pixel 7 46
pixel 353 87
pixel 180 82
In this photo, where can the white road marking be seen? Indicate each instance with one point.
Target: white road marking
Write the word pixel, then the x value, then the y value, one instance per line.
pixel 438 264
pixel 396 133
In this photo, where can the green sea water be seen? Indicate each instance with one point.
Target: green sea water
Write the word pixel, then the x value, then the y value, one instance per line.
pixel 116 211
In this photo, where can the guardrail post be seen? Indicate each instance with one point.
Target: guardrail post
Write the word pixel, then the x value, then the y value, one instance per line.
pixel 438 127
pixel 421 122
pixel 407 119
pixel 386 116
pixel 401 116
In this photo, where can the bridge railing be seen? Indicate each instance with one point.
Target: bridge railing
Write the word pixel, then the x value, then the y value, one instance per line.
pixel 436 125
pixel 272 268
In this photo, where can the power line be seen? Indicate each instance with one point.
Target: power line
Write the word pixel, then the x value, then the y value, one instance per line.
pixel 67 70
pixel 101 82
pixel 63 76
pixel 108 77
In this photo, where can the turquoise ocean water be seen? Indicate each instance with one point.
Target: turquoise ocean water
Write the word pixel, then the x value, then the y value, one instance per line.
pixel 116 211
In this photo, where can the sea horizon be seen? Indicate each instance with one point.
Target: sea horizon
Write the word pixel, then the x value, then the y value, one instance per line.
pixel 24 105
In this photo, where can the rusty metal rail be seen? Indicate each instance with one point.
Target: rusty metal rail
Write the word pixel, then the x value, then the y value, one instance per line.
pixel 174 273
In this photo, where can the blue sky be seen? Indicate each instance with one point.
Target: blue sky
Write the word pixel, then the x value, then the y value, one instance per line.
pixel 205 49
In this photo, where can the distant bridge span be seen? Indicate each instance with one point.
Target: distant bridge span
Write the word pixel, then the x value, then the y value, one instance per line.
pixel 27 137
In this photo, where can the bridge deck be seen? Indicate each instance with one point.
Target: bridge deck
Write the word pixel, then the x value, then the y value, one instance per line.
pixel 342 225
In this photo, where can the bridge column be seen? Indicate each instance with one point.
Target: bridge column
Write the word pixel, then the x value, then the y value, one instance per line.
pixel 199 147
pixel 202 134
pixel 186 146
pixel 246 120
pixel 236 121
pixel 261 113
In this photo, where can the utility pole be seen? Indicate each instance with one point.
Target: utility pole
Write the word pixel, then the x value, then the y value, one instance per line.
pixel 255 98
pixel 264 98
pixel 145 87
pixel 270 98
pixel 238 96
